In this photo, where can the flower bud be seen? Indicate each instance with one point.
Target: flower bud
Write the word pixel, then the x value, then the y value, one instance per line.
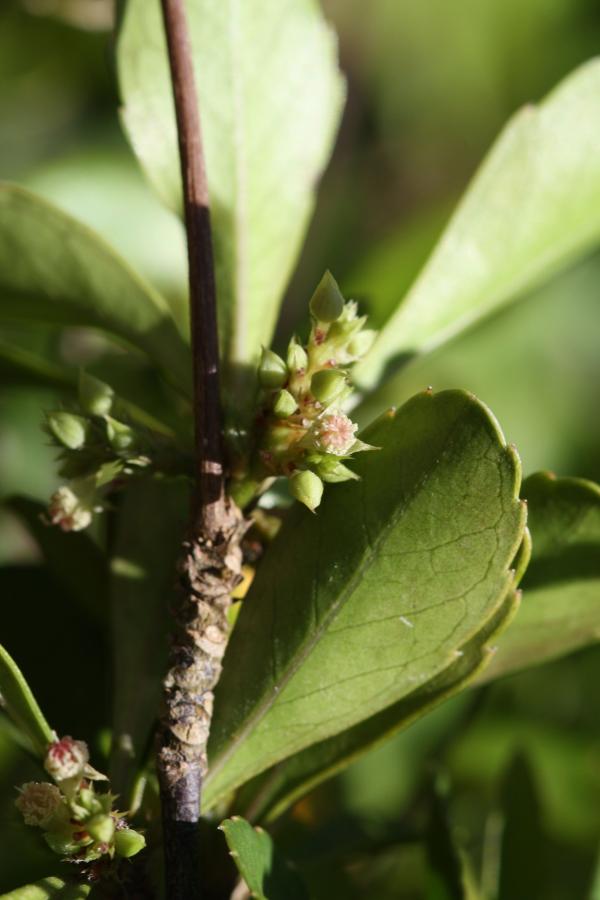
pixel 297 358
pixel 120 436
pixel 66 758
pixel 335 433
pixel 38 802
pixel 361 343
pixel 68 511
pixel 327 385
pixel 95 397
pixel 307 488
pixel 128 842
pixel 333 471
pixel 284 405
pixel 64 842
pixel 101 828
pixel 272 371
pixel 327 303
pixel 70 430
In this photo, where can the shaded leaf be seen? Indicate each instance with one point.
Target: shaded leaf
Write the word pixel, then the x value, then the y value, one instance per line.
pixel 448 873
pixel 561 601
pixel 396 573
pixel 533 207
pixel 74 559
pixel 267 875
pixel 53 269
pixel 150 529
pixel 48 888
pixel 17 697
pixel 270 97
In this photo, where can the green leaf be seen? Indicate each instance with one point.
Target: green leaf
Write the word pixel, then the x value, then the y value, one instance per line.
pixel 383 588
pixel 150 529
pixel 49 888
pixel 523 870
pixel 17 697
pixel 267 875
pixel 271 793
pixel 270 96
pixel 533 207
pixel 560 611
pixel 53 269
pixel 448 873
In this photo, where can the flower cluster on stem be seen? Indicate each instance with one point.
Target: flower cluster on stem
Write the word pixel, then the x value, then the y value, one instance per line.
pixel 302 431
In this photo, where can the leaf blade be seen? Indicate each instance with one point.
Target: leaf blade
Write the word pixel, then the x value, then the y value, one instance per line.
pixel 310 667
pixel 22 705
pixel 532 208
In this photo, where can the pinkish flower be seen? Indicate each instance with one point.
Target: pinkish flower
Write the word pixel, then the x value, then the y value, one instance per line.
pixel 66 758
pixel 38 801
pixel 67 510
pixel 335 433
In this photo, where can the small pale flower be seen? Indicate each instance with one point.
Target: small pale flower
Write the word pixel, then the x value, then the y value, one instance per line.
pixel 38 802
pixel 66 758
pixel 67 511
pixel 335 433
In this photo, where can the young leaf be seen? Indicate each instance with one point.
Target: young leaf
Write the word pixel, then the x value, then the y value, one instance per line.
pixel 17 697
pixel 533 207
pixel 393 576
pixel 270 97
pixel 53 269
pixel 275 790
pixel 149 532
pixel 49 889
pixel 267 875
pixel 561 601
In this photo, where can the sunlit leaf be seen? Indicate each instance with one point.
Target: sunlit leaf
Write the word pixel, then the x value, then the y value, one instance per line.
pixel 265 873
pixel 533 207
pixel 18 699
pixel 47 889
pixel 383 588
pixel 270 97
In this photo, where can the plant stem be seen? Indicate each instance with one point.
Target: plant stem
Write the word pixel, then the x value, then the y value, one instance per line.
pixel 211 560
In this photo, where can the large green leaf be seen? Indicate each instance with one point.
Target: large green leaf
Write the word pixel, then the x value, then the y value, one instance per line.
pixel 266 874
pixel 269 794
pixel 561 588
pixel 49 888
pixel 533 207
pixel 382 589
pixel 16 696
pixel 270 96
pixel 150 528
pixel 53 269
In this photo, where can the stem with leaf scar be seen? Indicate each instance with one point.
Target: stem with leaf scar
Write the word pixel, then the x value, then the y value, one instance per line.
pixel 211 559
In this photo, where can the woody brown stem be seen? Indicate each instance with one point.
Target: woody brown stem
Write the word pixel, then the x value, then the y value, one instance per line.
pixel 211 560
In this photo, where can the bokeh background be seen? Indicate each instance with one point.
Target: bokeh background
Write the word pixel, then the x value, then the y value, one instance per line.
pixel 429 86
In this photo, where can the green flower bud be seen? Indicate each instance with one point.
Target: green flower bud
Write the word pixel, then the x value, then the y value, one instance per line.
pixel 95 396
pixel 65 842
pixel 361 343
pixel 333 471
pixel 120 436
pixel 307 488
pixel 297 357
pixel 101 828
pixel 272 371
pixel 327 303
pixel 327 385
pixel 69 429
pixel 285 405
pixel 128 842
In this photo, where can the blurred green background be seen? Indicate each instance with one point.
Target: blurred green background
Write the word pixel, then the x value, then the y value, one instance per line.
pixel 429 86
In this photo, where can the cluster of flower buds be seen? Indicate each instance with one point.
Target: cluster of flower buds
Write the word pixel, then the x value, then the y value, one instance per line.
pixel 304 434
pixel 96 448
pixel 78 822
